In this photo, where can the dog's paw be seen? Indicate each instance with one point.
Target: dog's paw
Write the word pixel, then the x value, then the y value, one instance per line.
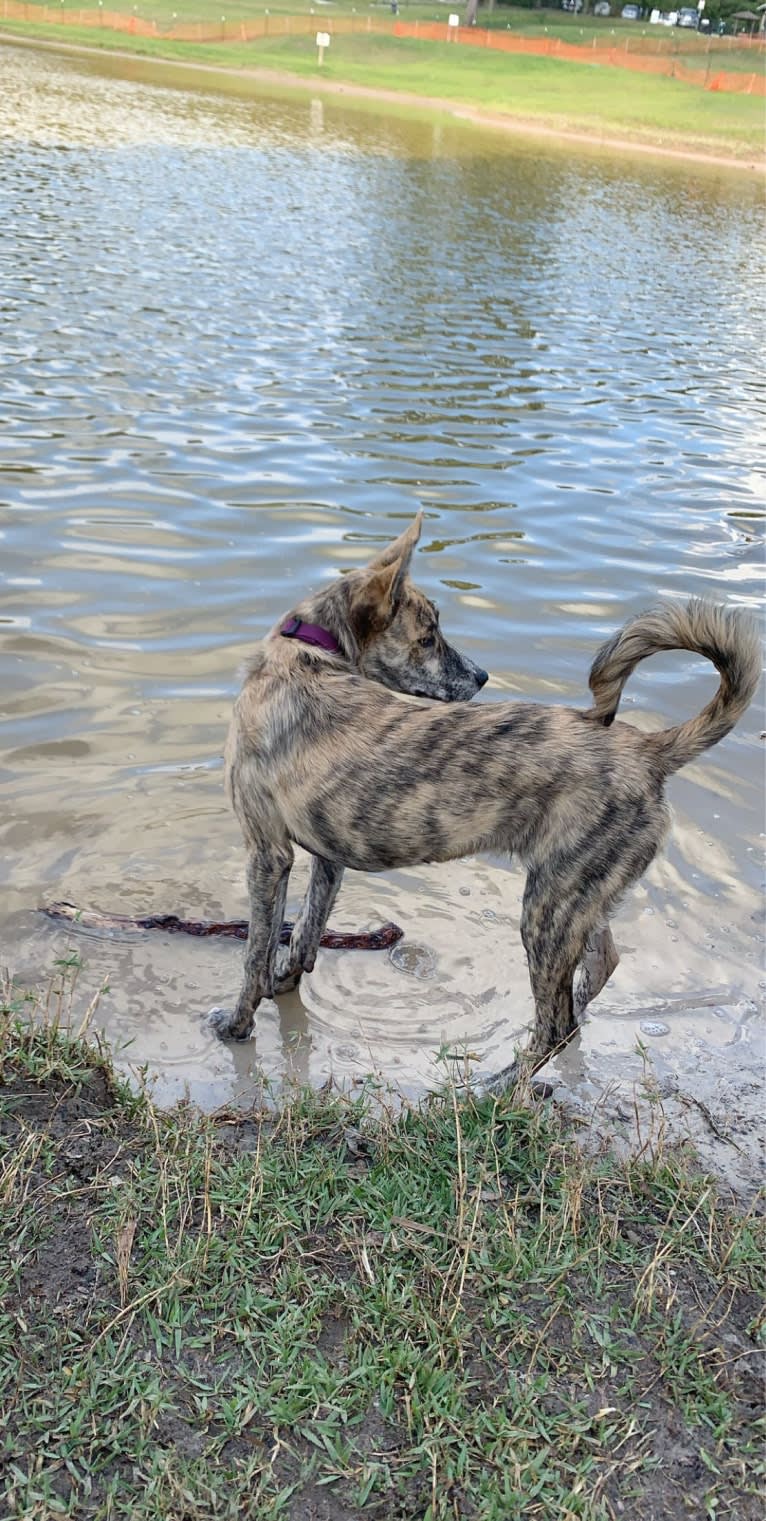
pixel 498 1084
pixel 512 1077
pixel 286 974
pixel 541 1089
pixel 481 1085
pixel 224 1024
pixel 287 982
pixel 219 1021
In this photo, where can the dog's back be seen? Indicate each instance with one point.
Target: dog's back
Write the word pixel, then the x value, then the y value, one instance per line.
pixel 375 780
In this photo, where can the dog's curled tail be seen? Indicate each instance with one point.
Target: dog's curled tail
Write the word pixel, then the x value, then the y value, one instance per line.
pixel 726 636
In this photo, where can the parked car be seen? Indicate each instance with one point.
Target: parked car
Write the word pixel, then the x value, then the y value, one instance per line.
pixel 602 8
pixel 571 5
pixel 630 12
pixel 688 16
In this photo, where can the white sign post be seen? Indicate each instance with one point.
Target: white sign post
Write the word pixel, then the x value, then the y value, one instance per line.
pixel 453 21
pixel 323 41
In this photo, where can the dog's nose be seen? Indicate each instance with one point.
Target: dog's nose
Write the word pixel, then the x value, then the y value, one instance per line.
pixel 482 677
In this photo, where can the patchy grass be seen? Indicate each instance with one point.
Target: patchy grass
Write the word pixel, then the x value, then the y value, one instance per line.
pixel 318 1313
pixel 537 91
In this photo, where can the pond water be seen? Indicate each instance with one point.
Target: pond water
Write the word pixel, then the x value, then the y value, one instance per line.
pixel 243 340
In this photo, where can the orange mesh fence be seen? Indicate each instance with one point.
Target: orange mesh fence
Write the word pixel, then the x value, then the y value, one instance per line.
pixel 645 55
pixel 600 51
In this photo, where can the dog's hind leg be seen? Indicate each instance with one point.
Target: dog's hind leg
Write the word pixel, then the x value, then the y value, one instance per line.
pixel 299 956
pixel 554 935
pixel 553 946
pixel 268 870
pixel 567 901
pixel 599 961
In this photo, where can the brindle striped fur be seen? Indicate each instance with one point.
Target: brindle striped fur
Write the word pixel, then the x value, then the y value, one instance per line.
pixel 350 757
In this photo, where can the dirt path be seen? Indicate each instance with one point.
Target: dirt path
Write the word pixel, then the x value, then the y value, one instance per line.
pixel 552 130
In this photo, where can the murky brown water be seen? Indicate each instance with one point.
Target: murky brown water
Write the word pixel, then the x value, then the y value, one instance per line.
pixel 243 341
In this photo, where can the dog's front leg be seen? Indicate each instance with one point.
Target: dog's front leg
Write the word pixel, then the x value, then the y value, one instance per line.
pixel 299 956
pixel 268 870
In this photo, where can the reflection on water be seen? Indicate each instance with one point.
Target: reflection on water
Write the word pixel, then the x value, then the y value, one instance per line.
pixel 243 340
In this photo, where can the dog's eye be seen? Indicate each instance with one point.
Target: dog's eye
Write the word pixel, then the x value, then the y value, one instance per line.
pixel 428 641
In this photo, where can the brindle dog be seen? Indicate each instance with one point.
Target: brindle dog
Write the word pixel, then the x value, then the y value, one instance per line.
pixel 346 740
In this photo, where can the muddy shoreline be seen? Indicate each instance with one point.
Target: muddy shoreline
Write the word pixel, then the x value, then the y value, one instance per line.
pixel 404 99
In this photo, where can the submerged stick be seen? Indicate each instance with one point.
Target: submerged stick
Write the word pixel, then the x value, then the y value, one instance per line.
pixel 233 929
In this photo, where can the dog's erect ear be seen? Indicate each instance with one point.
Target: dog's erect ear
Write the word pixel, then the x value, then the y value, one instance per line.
pixel 374 601
pixel 379 590
pixel 401 548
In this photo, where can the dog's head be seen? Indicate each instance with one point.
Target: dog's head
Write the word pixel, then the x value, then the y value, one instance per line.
pixel 397 630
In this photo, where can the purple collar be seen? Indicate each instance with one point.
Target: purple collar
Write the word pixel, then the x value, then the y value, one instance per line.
pixel 310 633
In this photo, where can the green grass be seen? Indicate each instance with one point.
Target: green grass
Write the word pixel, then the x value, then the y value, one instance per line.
pixel 521 21
pixel 316 1312
pixel 697 50
pixel 561 95
pixel 530 87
